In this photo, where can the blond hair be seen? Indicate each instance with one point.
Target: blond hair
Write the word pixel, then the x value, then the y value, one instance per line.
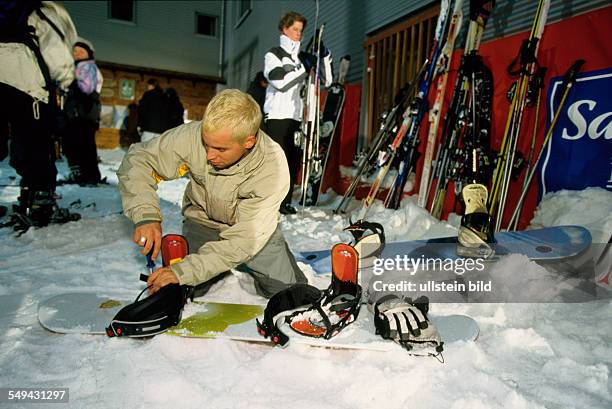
pixel 233 109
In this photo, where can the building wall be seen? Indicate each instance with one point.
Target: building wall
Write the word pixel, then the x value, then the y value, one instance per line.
pixel 247 43
pixel 162 37
pixel 194 94
pixel 346 22
pixel 349 22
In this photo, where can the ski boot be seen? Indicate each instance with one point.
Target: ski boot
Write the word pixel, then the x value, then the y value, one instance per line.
pixel 475 237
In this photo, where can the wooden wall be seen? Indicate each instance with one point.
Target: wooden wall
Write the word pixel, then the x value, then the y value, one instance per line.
pixel 194 91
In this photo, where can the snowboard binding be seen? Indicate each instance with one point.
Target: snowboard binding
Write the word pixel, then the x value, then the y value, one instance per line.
pixel 329 311
pixel 162 310
pixel 150 316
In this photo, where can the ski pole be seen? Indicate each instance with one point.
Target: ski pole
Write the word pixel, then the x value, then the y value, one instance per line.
pixel 568 82
pixel 365 162
pixel 538 84
pixel 527 62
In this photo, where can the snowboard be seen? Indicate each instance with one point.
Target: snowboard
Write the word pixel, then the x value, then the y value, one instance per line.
pixel 90 313
pixel 550 243
pixel 332 110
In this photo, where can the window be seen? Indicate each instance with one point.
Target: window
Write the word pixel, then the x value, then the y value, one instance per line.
pixel 244 9
pixel 206 25
pixel 122 10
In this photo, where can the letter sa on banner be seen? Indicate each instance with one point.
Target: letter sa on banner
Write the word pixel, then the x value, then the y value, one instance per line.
pixel 579 153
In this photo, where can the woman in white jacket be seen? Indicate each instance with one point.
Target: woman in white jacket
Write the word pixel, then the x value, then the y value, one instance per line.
pixel 285 69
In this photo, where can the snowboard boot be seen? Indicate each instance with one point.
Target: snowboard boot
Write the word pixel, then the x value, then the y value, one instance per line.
pixel 74 178
pixel 287 209
pixel 475 238
pixel 38 209
pixel 3 210
pixel 45 210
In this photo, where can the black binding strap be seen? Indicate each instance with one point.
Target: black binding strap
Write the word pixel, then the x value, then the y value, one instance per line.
pixel 150 316
pixel 359 230
pixel 289 299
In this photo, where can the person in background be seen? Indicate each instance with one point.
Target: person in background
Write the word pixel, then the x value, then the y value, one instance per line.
pixel 257 89
pixel 174 109
pixel 36 64
pixel 82 108
pixel 151 117
pixel 128 134
pixel 286 68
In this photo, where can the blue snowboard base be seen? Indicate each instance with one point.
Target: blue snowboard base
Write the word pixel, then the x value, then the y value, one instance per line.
pixel 551 243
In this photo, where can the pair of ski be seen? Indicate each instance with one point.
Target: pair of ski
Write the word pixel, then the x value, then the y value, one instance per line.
pixel 528 66
pixel 318 130
pixel 465 138
pixel 530 80
pixel 405 143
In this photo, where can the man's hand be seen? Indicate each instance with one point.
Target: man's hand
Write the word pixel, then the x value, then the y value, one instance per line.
pixel 149 237
pixel 160 278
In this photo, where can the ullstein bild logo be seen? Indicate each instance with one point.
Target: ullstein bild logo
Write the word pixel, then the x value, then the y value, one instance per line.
pixel 579 154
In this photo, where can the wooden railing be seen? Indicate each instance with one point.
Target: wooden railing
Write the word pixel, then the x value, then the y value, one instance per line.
pixel 393 58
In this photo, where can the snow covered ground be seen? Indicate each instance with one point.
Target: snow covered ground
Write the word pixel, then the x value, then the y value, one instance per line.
pixel 527 355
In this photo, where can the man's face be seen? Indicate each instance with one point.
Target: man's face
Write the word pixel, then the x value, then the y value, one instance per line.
pixel 222 151
pixel 294 31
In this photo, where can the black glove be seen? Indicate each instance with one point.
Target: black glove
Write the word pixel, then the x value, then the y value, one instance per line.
pixel 308 60
pixel 323 51
pixel 405 322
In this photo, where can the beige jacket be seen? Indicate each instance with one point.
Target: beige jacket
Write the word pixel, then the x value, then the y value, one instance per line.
pixel 19 67
pixel 241 201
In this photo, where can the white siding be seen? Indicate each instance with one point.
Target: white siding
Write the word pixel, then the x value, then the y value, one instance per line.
pixel 162 37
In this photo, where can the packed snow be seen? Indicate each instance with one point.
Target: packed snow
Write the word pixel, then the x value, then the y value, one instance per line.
pixel 555 355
